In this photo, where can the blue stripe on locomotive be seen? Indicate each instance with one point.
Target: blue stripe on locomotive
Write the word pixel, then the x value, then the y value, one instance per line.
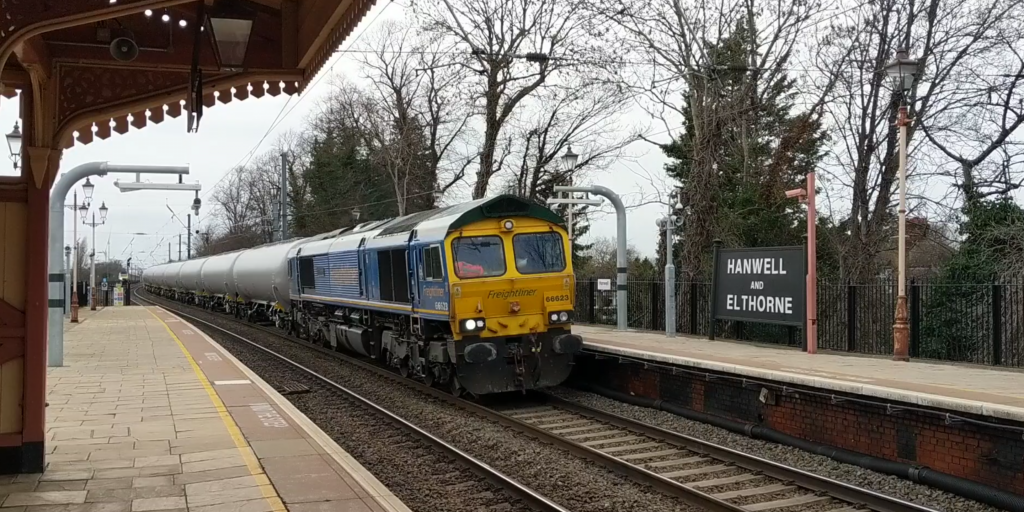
pixel 355 275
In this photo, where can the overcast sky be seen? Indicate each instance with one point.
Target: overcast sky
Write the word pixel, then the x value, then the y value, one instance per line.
pixel 140 224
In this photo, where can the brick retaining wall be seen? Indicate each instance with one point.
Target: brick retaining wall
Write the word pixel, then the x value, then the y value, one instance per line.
pixel 980 453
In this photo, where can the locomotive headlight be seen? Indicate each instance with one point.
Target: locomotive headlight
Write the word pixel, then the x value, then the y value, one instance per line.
pixel 471 325
pixel 559 317
pixel 508 225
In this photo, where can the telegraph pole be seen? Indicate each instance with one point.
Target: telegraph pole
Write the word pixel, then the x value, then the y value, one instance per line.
pixel 189 253
pixel 283 217
pixel 179 246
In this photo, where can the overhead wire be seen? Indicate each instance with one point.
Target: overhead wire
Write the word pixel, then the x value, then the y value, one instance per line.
pixel 279 118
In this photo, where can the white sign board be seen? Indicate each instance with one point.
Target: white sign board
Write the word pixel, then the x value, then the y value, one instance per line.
pixel 604 284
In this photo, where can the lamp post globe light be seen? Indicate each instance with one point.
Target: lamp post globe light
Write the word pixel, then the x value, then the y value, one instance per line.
pixel 92 254
pixel 569 161
pixel 902 71
pixel 14 144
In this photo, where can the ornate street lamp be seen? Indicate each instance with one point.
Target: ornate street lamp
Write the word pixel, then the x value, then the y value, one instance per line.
pixel 83 211
pixel 569 160
pixel 231 27
pixel 14 144
pixel 902 71
pixel 103 212
pixel 87 188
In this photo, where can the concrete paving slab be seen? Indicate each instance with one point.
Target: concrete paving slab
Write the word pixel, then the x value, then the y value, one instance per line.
pixel 137 423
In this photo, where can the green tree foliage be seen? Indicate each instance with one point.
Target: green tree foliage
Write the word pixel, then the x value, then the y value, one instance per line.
pixel 957 320
pixel 757 148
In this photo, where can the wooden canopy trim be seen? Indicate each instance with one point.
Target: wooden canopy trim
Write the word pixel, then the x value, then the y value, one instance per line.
pixel 89 14
pixel 152 108
pixel 356 11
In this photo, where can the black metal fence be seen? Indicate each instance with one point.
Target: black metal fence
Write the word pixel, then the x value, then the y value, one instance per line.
pixel 981 323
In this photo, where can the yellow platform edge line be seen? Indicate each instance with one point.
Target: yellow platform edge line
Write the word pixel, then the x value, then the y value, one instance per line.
pixel 251 462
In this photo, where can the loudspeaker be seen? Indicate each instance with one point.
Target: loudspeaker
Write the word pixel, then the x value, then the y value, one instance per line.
pixel 124 49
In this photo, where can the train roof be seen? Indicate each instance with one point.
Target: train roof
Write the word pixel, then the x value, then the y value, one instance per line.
pixel 454 217
pixel 430 225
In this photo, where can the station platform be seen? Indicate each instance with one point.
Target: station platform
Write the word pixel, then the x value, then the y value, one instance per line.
pixel 993 392
pixel 150 414
pixel 961 421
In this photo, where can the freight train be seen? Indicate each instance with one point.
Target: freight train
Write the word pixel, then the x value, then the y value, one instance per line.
pixel 477 296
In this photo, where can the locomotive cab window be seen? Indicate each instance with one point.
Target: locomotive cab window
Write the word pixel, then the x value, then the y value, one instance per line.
pixel 306 277
pixel 478 256
pixel 431 266
pixel 538 253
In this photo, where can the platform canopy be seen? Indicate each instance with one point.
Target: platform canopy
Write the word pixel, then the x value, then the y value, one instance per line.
pixel 97 67
pixel 90 69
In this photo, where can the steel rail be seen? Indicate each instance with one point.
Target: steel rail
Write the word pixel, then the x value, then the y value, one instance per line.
pixel 839 490
pixel 856 496
pixel 535 499
pixel 640 475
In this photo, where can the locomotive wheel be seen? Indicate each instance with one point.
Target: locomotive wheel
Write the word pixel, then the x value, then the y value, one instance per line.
pixel 403 367
pixel 428 376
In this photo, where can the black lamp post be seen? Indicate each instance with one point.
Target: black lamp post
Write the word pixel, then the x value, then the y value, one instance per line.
pixel 14 144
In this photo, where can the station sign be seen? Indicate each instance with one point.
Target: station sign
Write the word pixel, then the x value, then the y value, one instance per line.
pixel 604 284
pixel 764 284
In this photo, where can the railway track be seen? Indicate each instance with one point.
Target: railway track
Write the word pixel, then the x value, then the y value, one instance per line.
pixel 678 463
pixel 709 476
pixel 465 483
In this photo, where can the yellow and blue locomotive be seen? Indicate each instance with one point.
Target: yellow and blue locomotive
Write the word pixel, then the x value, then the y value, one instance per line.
pixel 476 296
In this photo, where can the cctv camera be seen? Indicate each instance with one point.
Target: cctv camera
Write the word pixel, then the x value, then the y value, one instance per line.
pixel 796 193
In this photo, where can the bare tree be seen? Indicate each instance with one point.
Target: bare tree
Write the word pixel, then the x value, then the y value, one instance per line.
pixel 411 114
pixel 576 112
pixel 972 102
pixel 514 47
pixel 967 117
pixel 678 77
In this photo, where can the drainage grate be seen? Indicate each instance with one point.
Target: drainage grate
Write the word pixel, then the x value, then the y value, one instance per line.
pixel 293 388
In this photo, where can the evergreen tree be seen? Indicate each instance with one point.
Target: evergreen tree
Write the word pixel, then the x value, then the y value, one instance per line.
pixel 758 149
pixel 957 325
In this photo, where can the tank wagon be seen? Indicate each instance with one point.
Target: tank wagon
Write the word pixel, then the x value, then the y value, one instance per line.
pixel 477 296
